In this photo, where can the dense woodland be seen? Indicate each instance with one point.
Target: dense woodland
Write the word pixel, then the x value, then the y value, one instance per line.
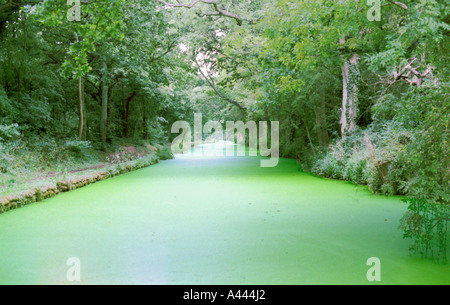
pixel 361 95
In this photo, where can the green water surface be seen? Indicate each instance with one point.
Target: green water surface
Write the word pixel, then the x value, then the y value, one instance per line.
pixel 212 220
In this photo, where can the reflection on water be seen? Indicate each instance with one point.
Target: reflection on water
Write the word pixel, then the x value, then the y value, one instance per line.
pixel 426 225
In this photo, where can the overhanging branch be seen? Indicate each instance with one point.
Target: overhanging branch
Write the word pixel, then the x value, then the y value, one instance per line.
pixel 402 5
pixel 214 3
pixel 216 90
pixel 169 48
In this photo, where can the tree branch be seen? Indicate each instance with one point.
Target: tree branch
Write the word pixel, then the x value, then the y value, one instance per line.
pixel 402 5
pixel 418 77
pixel 214 3
pixel 169 48
pixel 216 90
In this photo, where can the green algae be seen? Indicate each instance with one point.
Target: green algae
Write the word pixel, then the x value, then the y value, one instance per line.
pixel 212 220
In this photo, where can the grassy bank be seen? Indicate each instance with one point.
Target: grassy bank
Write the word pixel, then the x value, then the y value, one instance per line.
pixel 41 189
pixel 31 173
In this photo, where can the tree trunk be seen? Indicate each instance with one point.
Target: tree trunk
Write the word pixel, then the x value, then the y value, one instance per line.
pixel 144 122
pixel 350 75
pixel 108 116
pixel 82 132
pixel 126 127
pixel 104 114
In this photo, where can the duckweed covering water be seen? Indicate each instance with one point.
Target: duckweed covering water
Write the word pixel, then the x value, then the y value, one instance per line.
pixel 212 220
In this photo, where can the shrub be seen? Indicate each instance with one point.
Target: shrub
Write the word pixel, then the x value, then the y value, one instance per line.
pixel 366 157
pixel 78 149
pixel 156 131
pixel 165 153
pixel 9 133
pixel 10 143
pixel 5 106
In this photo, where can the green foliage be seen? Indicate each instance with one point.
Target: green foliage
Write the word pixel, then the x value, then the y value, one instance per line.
pixel 78 149
pixel 426 224
pixel 425 160
pixel 5 106
pixel 9 145
pixel 103 20
pixel 370 157
pixel 157 133
pixel 9 133
pixel 165 153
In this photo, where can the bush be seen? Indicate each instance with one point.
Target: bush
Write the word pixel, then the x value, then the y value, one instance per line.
pixel 356 169
pixel 368 157
pixel 165 153
pixel 49 150
pixel 5 106
pixel 78 149
pixel 156 132
pixel 9 144
pixel 331 165
pixel 9 133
